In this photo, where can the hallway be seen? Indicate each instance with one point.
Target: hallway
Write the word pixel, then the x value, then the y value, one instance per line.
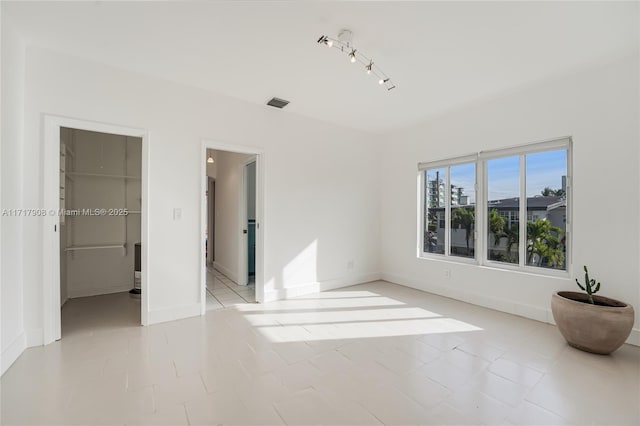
pixel 222 292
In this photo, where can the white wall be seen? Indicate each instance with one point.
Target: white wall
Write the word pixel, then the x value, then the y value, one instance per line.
pixel 103 271
pixel 324 171
pixel 229 180
pixel 12 336
pixel 599 108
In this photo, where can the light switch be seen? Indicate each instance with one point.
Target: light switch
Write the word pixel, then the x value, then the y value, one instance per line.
pixel 177 213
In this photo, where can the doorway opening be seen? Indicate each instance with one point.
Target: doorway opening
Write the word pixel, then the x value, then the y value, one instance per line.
pixel 100 230
pixel 231 266
pixel 94 244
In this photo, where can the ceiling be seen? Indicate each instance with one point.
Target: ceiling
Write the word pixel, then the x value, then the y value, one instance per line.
pixel 441 55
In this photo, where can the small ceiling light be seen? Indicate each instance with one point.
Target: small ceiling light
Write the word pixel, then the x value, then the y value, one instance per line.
pixel 210 159
pixel 343 44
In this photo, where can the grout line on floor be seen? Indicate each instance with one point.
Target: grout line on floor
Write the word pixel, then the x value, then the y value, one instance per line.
pixel 224 280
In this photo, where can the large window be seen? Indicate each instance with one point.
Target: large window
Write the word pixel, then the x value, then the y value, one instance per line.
pixel 517 219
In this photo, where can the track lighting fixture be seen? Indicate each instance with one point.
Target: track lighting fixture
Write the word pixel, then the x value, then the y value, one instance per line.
pixel 343 43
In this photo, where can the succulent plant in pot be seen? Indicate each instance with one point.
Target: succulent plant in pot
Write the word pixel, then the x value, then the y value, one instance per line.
pixel 591 323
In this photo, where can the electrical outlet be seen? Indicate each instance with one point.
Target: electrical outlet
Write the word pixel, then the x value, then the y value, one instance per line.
pixel 350 264
pixel 447 273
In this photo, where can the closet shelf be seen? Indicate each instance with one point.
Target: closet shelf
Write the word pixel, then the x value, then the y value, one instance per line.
pixel 102 175
pixel 96 247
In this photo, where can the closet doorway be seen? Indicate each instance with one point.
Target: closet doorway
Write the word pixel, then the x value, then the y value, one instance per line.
pixel 94 268
pixel 100 230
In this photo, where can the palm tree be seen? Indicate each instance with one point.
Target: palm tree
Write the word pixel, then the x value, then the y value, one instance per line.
pixel 466 219
pixel 496 226
pixel 548 192
pixel 543 240
pixel 513 238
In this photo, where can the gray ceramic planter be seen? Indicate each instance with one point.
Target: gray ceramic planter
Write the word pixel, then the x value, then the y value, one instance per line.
pixel 601 328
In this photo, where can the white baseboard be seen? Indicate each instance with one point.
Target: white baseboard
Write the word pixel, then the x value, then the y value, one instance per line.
pixel 634 337
pixel 315 287
pixel 502 305
pixel 228 272
pixel 74 293
pixel 173 313
pixel 35 337
pixel 10 354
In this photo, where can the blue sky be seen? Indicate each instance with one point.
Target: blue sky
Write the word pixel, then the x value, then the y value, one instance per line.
pixel 543 169
pixel 464 176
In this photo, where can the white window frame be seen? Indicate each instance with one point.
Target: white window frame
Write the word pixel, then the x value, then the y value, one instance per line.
pixel 447 164
pixel 481 207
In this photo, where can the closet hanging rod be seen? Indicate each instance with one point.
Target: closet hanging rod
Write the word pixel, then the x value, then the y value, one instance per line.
pixel 105 246
pixel 103 175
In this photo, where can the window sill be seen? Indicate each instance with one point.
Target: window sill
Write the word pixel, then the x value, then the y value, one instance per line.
pixel 497 266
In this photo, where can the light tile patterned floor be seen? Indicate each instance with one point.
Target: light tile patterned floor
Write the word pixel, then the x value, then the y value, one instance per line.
pixel 368 354
pixel 223 292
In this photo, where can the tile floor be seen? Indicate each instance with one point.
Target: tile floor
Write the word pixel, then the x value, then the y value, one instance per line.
pixel 222 292
pixel 370 354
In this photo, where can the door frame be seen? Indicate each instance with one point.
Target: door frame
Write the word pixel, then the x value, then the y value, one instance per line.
pixel 260 199
pixel 52 327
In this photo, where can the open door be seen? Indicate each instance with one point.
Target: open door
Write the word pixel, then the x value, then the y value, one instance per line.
pixel 211 220
pixel 250 171
pixel 248 221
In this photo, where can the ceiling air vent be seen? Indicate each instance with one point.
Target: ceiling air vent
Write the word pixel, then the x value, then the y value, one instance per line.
pixel 277 103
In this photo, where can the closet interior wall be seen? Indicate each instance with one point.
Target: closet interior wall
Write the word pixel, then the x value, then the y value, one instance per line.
pixel 101 197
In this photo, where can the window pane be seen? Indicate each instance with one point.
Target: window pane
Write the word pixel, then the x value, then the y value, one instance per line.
pixel 546 209
pixel 434 205
pixel 503 205
pixel 463 218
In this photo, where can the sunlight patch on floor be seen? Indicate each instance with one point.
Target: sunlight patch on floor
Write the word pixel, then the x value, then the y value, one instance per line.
pixel 309 304
pixel 360 330
pixel 334 317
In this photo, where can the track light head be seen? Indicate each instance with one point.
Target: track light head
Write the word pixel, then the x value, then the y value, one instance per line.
pixel 325 40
